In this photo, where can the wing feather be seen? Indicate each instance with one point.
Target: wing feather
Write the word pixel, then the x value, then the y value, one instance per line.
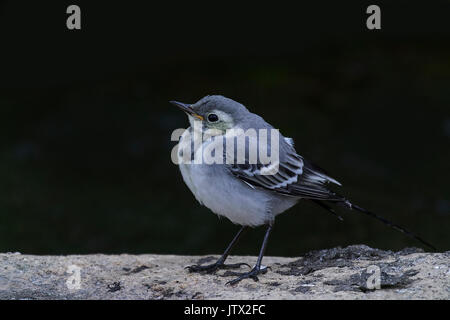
pixel 295 176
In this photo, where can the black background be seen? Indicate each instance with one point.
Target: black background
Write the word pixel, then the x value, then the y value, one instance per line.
pixel 85 122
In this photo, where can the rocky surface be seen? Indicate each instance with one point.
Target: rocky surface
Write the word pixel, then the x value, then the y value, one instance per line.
pixel 354 272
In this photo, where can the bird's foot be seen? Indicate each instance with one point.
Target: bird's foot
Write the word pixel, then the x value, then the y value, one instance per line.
pixel 253 274
pixel 212 268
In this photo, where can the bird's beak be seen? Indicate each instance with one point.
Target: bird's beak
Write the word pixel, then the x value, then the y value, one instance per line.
pixel 186 108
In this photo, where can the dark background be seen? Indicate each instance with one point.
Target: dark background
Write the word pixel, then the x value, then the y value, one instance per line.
pixel 85 122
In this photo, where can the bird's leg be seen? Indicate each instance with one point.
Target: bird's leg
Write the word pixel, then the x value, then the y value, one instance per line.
pixel 220 264
pixel 257 268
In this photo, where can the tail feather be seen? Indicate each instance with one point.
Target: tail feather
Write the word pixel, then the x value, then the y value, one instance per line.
pixel 388 223
pixel 328 208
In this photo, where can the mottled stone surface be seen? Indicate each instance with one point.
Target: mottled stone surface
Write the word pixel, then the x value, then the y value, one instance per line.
pixel 338 273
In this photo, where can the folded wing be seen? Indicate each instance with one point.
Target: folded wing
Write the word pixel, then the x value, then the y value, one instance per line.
pixel 295 176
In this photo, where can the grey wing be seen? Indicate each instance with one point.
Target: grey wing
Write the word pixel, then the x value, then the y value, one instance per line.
pixel 295 176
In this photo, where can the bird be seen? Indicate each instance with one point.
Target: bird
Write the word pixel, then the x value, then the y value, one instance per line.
pixel 245 192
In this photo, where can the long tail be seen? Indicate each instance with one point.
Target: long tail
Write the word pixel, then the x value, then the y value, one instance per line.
pixel 327 207
pixel 389 223
pixel 352 206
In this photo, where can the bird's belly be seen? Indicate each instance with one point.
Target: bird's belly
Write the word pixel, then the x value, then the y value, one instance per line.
pixel 214 187
pixel 226 196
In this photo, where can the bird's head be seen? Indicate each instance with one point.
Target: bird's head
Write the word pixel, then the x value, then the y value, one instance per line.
pixel 215 112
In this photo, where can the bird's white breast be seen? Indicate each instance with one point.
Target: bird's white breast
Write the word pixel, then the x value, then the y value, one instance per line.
pixel 217 189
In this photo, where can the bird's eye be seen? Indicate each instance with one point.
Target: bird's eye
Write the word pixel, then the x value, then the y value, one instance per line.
pixel 212 117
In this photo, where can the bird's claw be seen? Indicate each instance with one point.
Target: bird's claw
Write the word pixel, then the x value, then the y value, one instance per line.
pixel 212 268
pixel 235 265
pixel 253 274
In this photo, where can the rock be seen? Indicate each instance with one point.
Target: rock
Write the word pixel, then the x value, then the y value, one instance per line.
pixel 354 272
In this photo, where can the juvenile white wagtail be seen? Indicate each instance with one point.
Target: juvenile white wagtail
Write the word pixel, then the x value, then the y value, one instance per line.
pixel 241 191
